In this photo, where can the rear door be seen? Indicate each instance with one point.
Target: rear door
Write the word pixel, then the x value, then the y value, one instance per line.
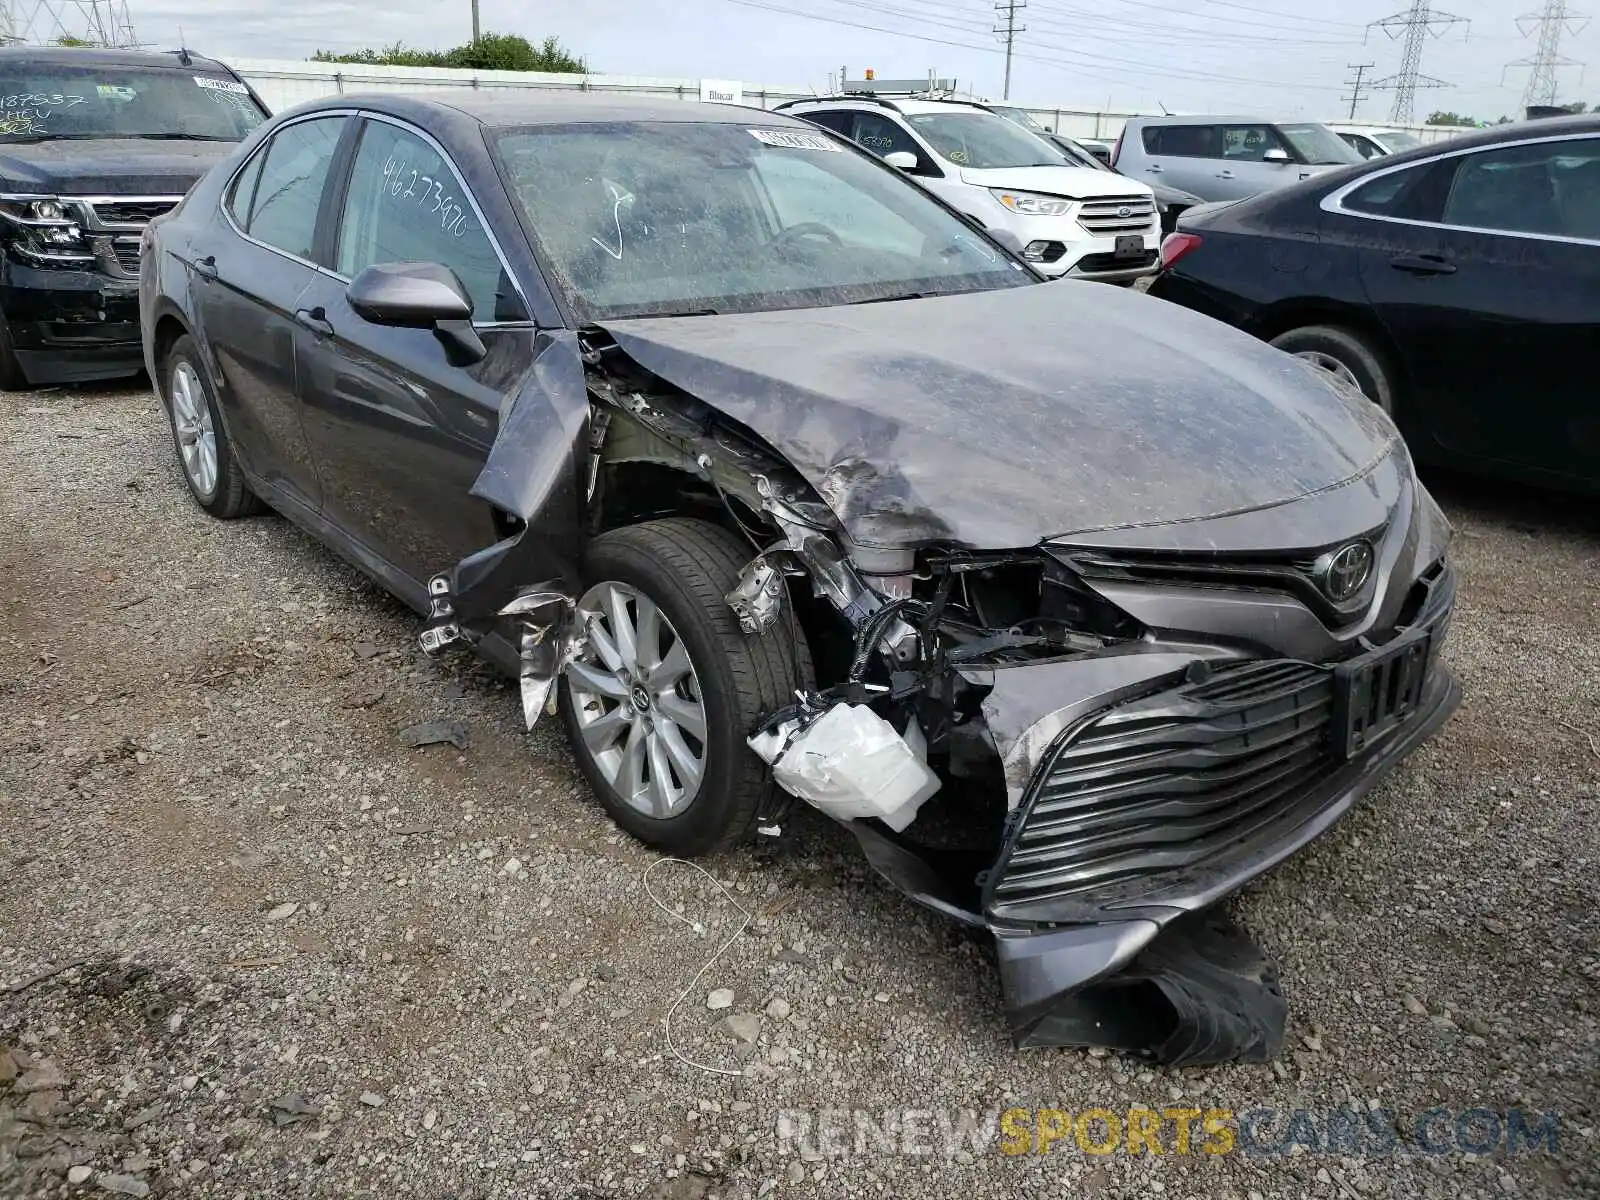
pixel 1487 275
pixel 248 289
pixel 1184 157
pixel 400 433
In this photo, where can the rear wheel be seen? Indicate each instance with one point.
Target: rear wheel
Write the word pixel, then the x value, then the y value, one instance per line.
pixel 659 704
pixel 204 452
pixel 1348 355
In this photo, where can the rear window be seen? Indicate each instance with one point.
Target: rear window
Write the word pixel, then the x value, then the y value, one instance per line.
pixel 1184 141
pixel 54 100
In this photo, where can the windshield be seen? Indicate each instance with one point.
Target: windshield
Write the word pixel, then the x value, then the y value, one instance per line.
pixel 981 139
pixel 54 100
pixel 1020 116
pixel 642 218
pixel 1319 145
pixel 1398 140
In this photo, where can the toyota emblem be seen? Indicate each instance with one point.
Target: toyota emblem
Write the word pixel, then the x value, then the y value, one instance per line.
pixel 1345 571
pixel 1124 211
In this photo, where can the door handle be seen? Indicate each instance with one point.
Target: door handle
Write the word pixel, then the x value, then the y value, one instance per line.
pixel 314 319
pixel 1224 174
pixel 1154 168
pixel 1423 264
pixel 206 267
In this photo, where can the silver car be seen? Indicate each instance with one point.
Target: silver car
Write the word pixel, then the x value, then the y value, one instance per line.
pixel 1228 158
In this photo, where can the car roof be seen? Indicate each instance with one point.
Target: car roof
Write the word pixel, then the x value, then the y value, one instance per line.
pixel 1512 131
pixel 903 104
pixel 81 56
pixel 1224 119
pixel 509 108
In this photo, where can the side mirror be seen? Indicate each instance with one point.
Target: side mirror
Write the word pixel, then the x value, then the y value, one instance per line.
pixel 419 296
pixel 901 160
pixel 1277 155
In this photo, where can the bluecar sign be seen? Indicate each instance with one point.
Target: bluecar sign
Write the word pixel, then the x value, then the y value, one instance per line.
pixel 721 91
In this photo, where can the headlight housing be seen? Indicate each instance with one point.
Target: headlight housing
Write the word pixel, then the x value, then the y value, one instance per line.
pixel 1032 204
pixel 43 231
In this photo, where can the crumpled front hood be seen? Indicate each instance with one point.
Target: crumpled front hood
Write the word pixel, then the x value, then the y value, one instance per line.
pixel 996 419
pixel 109 166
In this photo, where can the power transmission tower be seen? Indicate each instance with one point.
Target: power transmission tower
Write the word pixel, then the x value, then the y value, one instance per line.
pixel 98 22
pixel 1009 9
pixel 1556 19
pixel 1415 25
pixel 1355 85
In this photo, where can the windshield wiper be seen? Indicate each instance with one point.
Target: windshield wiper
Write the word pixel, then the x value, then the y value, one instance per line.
pixel 176 137
pixel 887 299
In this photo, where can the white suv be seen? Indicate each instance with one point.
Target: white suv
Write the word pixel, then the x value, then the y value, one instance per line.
pixel 1069 220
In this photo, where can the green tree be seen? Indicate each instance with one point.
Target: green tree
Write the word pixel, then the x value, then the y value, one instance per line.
pixel 66 39
pixel 491 52
pixel 1449 118
pixel 1576 108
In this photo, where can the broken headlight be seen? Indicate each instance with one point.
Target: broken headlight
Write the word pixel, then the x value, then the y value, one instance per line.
pixel 43 231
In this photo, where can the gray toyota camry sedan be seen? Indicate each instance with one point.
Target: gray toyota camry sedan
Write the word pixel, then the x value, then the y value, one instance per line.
pixel 781 484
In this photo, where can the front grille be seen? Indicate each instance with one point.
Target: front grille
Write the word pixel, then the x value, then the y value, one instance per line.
pixel 1118 214
pixel 1112 262
pixel 126 250
pixel 131 213
pixel 1163 783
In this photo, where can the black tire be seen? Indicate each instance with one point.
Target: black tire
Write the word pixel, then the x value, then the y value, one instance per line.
pixel 11 377
pixel 687 567
pixel 1351 350
pixel 229 496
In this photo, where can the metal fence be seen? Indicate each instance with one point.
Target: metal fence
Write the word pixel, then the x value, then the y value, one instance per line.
pixel 285 83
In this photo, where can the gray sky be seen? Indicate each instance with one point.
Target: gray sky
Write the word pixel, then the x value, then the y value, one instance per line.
pixel 1251 55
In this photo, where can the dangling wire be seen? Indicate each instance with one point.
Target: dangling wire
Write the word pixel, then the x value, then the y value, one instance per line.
pixel 666 1021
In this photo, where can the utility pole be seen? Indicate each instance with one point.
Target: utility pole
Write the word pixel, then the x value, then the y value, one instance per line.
pixel 1415 25
pixel 1008 32
pixel 476 31
pixel 102 22
pixel 1556 19
pixel 1355 85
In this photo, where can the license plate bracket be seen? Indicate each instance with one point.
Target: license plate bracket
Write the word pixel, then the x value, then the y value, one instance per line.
pixel 1130 245
pixel 1379 691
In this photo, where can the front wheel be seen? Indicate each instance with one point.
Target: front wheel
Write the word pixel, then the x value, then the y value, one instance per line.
pixel 659 704
pixel 1348 355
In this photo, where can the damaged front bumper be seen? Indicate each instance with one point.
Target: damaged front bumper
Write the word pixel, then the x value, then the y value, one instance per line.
pixel 1166 784
pixel 71 326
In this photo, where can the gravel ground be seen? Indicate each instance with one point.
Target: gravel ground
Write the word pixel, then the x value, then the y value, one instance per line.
pixel 305 959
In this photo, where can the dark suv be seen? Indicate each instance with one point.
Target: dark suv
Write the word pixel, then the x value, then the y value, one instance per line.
pixel 93 144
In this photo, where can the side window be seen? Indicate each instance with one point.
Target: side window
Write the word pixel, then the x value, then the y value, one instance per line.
pixel 1414 194
pixel 1549 187
pixel 244 190
pixel 834 119
pixel 1184 141
pixel 1250 143
pixel 406 204
pixel 1363 146
pixel 802 193
pixel 882 136
pixel 289 190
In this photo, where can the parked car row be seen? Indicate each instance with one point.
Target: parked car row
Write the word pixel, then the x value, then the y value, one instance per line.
pixel 1457 285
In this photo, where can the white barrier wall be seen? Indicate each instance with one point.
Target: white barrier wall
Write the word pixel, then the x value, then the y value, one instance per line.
pixel 283 83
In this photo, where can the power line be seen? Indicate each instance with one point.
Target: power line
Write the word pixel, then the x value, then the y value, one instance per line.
pixel 1355 86
pixel 98 22
pixel 1008 33
pixel 1415 25
pixel 1556 19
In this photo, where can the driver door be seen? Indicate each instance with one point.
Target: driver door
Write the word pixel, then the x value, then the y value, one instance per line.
pixel 398 430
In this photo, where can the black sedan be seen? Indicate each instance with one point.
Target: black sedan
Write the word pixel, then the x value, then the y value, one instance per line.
pixel 1457 285
pixel 776 478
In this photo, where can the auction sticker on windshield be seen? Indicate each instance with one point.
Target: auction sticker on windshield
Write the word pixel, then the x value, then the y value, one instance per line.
pixel 222 85
pixel 793 139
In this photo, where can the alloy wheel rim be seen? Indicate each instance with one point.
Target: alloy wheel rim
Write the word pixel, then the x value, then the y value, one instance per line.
pixel 637 699
pixel 197 437
pixel 1332 366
